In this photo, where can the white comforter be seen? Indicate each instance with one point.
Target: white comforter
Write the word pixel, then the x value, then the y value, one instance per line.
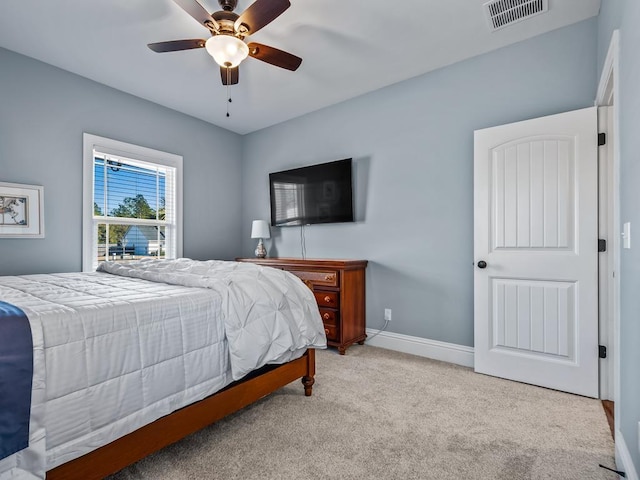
pixel 269 314
pixel 121 352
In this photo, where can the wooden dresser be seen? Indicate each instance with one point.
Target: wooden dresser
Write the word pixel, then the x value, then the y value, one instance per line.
pixel 339 288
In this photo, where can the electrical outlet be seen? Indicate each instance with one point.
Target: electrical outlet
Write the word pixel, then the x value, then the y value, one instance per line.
pixel 387 314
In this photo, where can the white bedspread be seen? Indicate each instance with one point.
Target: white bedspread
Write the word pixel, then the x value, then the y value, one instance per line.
pixel 122 351
pixel 269 314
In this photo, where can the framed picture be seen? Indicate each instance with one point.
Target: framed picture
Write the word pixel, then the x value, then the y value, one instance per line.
pixel 21 211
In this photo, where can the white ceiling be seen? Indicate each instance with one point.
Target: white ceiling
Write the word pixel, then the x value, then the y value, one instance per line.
pixel 349 47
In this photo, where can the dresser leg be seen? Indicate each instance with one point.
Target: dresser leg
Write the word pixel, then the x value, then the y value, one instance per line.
pixel 342 350
pixel 361 342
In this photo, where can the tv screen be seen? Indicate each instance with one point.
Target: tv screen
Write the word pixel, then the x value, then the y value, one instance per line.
pixel 314 194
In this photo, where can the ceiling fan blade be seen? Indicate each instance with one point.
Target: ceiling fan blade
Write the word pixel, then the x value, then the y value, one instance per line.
pixel 261 13
pixel 177 45
pixel 274 56
pixel 229 75
pixel 197 11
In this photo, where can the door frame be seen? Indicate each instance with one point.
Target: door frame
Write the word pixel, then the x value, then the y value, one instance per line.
pixel 608 95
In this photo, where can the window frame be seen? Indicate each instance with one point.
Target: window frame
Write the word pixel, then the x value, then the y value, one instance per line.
pixel 134 152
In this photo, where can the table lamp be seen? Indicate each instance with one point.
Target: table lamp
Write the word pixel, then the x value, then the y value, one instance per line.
pixel 260 229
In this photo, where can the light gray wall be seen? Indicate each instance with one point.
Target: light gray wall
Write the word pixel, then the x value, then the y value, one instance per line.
pixel 608 20
pixel 626 17
pixel 43 113
pixel 413 149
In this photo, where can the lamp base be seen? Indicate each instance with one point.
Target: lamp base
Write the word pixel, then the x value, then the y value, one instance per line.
pixel 261 252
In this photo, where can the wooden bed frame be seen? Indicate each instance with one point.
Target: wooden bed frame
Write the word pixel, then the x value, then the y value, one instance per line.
pixel 129 449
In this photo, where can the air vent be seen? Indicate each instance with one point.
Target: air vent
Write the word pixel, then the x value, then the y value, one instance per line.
pixel 502 13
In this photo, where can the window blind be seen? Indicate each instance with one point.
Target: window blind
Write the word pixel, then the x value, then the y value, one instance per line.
pixel 134 208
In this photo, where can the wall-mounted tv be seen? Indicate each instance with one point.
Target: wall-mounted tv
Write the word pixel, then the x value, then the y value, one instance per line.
pixel 314 194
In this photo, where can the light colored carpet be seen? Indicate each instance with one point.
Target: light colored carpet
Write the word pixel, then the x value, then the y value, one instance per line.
pixel 378 414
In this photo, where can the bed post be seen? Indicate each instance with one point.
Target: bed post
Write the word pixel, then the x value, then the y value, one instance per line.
pixel 308 379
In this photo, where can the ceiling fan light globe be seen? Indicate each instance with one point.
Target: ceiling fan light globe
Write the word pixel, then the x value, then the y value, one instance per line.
pixel 227 50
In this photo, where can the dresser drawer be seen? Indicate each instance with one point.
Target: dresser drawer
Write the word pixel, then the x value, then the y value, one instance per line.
pixel 329 317
pixel 327 299
pixel 328 278
pixel 331 331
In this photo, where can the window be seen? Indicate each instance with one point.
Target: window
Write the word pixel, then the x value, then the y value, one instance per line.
pixel 132 202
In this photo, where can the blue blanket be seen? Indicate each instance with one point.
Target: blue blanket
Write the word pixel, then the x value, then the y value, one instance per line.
pixel 16 376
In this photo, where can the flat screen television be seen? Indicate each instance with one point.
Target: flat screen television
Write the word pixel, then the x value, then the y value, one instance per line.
pixel 314 194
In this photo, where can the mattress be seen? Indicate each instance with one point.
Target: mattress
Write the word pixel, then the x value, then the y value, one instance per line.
pixel 122 351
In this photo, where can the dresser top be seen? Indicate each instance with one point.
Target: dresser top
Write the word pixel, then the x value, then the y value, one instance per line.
pixel 345 264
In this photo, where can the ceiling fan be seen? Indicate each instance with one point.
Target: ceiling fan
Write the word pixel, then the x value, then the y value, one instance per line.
pixel 228 31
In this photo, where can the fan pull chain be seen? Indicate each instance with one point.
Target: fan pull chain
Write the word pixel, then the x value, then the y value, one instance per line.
pixel 228 96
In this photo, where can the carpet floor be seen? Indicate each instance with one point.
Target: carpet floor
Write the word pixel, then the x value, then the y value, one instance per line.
pixel 379 414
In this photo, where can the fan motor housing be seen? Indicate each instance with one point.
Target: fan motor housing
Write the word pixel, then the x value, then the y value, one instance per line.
pixel 226 20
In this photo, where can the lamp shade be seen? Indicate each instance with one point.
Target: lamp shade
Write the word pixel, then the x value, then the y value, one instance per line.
pixel 260 229
pixel 227 50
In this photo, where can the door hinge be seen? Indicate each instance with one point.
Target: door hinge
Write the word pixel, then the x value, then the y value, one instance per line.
pixel 602 351
pixel 602 139
pixel 602 245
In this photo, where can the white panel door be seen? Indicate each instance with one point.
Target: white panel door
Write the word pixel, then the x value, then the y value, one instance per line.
pixel 535 250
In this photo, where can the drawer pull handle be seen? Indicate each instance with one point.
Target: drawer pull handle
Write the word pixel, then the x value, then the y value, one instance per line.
pixel 327 299
pixel 326 331
pixel 329 278
pixel 326 316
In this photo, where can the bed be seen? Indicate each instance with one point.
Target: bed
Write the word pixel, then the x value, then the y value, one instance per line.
pixel 135 356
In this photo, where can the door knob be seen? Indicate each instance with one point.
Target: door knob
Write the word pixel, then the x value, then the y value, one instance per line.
pixel 482 264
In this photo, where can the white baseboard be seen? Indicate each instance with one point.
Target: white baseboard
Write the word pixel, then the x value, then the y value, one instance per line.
pixel 623 458
pixel 423 347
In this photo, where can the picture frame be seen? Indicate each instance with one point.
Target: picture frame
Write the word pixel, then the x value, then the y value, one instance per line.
pixel 21 210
